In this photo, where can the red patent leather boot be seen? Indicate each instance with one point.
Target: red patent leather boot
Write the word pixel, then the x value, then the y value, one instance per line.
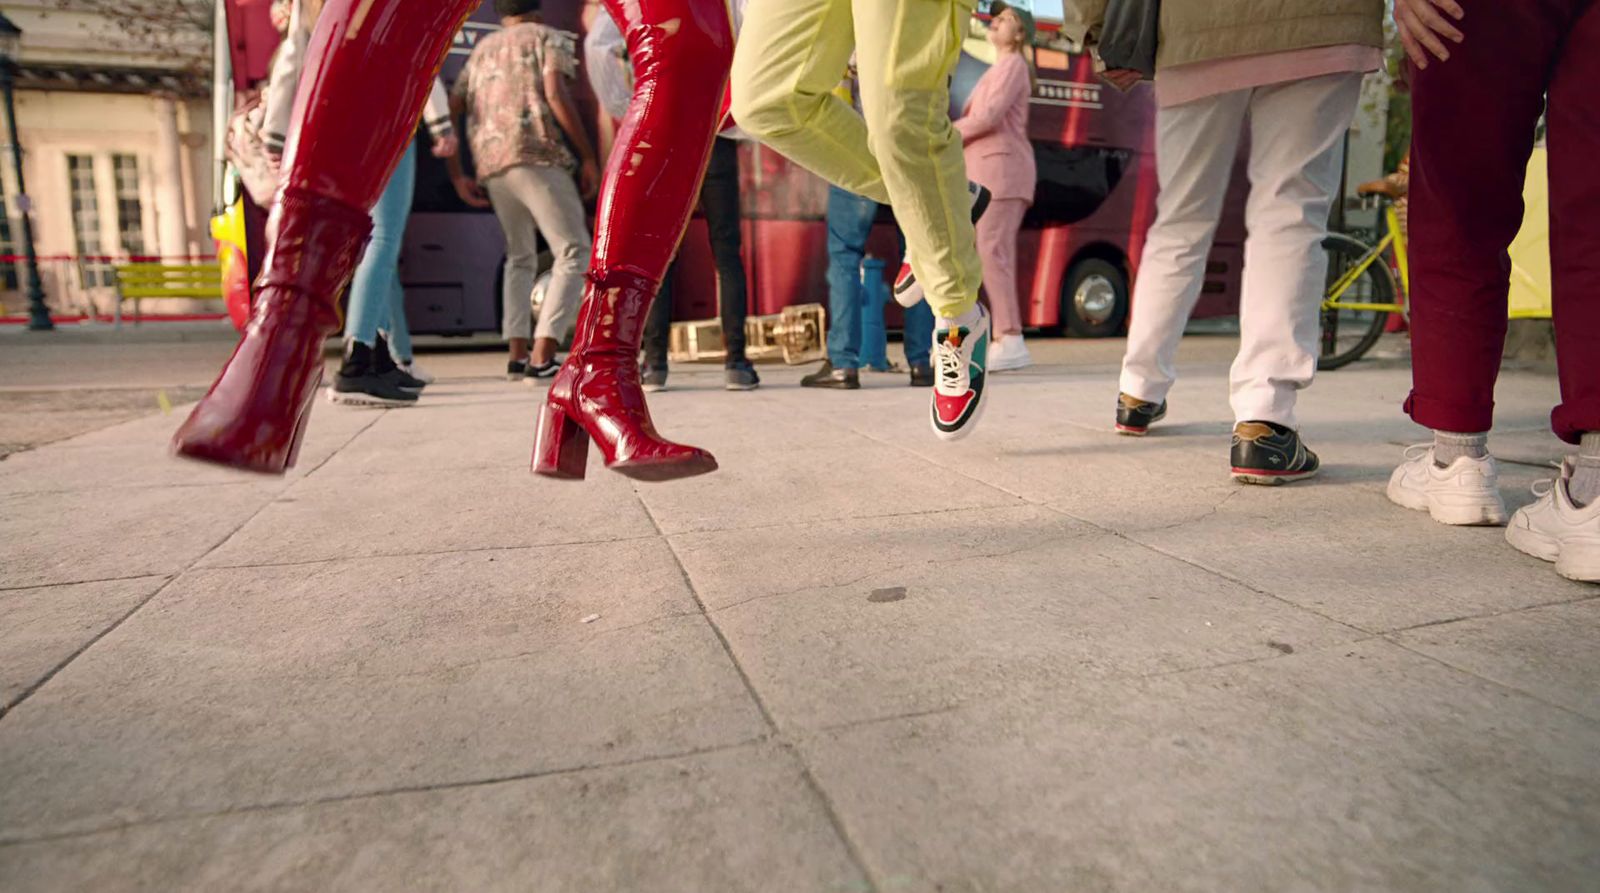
pixel 254 417
pixel 596 396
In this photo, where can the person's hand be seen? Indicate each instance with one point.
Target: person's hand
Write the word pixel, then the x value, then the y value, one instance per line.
pixel 1123 79
pixel 588 178
pixel 446 146
pixel 1421 26
pixel 274 161
pixel 470 191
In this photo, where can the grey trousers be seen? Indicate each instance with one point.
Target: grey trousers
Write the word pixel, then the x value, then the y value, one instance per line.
pixel 529 201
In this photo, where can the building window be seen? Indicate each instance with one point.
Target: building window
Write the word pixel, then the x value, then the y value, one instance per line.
pixel 86 219
pixel 130 214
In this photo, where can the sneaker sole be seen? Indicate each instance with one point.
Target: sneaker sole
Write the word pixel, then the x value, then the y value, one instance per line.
pixel 1011 367
pixel 339 398
pixel 1575 561
pixel 653 388
pixel 741 387
pixel 1131 431
pixel 1271 478
pixel 1456 510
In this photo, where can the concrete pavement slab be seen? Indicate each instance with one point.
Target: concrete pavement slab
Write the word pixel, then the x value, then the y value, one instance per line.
pixel 859 620
pixel 1360 768
pixel 83 535
pixel 41 628
pixel 340 514
pixel 241 687
pixel 734 820
pixel 1547 652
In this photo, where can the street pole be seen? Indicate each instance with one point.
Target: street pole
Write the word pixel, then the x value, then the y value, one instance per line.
pixel 38 313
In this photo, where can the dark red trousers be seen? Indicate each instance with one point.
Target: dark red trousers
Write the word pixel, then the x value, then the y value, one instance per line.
pixel 1473 125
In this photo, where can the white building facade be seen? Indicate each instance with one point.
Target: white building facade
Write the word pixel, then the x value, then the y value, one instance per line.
pixel 116 141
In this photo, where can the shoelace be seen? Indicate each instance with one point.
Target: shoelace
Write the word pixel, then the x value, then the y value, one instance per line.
pixel 952 365
pixel 1417 451
pixel 1543 488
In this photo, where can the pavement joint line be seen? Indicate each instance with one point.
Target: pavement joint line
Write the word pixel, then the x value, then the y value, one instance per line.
pixel 1505 686
pixel 884 516
pixel 1490 615
pixel 29 691
pixel 424 553
pixel 8 588
pixel 353 796
pixel 829 809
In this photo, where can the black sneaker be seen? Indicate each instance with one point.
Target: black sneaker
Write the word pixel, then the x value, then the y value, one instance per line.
pixel 359 384
pixel 922 376
pixel 516 370
pixel 1268 453
pixel 1134 416
pixel 547 369
pixel 653 378
pixel 383 364
pixel 740 375
pixel 829 377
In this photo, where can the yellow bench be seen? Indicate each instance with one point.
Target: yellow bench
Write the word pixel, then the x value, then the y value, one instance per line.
pixel 136 281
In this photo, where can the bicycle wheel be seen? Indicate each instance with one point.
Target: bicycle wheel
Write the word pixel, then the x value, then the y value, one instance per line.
pixel 1347 333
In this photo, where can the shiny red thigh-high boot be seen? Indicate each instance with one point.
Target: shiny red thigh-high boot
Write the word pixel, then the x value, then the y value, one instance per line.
pixel 681 50
pixel 370 64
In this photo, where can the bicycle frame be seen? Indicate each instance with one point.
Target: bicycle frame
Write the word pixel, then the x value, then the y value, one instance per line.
pixel 1394 238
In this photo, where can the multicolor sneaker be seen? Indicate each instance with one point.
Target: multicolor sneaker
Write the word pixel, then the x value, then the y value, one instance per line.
pixel 907 292
pixel 1270 454
pixel 961 356
pixel 1556 529
pixel 1135 416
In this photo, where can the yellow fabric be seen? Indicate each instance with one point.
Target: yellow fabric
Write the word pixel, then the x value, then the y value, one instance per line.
pixel 904 153
pixel 1530 251
pixel 227 229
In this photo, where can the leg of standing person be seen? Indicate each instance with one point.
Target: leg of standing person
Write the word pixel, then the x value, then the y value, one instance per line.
pixel 849 222
pixel 905 152
pixel 1470 145
pixel 719 197
pixel 551 196
pixel 658 334
pixel 997 245
pixel 359 381
pixel 371 63
pixel 1296 156
pixel 1196 144
pixel 680 50
pixel 521 269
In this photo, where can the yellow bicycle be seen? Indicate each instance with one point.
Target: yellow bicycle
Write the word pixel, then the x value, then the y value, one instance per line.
pixel 1366 282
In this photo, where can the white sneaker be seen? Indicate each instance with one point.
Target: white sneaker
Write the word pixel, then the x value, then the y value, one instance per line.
pixel 1556 530
pixel 415 370
pixel 1467 493
pixel 1009 353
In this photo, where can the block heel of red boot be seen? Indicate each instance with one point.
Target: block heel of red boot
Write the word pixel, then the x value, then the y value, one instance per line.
pixel 560 445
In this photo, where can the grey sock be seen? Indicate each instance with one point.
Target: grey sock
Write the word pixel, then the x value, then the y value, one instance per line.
pixel 1449 446
pixel 1584 487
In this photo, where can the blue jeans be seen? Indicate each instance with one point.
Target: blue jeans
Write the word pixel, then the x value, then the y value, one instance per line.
pixel 850 220
pixel 376 300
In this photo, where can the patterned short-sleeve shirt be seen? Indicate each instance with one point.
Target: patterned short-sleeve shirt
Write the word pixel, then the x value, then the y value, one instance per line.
pixel 509 121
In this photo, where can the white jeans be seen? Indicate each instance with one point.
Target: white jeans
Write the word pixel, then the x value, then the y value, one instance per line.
pixel 1296 153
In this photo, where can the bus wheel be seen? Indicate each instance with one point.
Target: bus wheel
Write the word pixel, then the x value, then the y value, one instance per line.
pixel 1094 301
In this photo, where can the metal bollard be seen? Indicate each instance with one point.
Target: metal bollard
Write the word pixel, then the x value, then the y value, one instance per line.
pixel 874 337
